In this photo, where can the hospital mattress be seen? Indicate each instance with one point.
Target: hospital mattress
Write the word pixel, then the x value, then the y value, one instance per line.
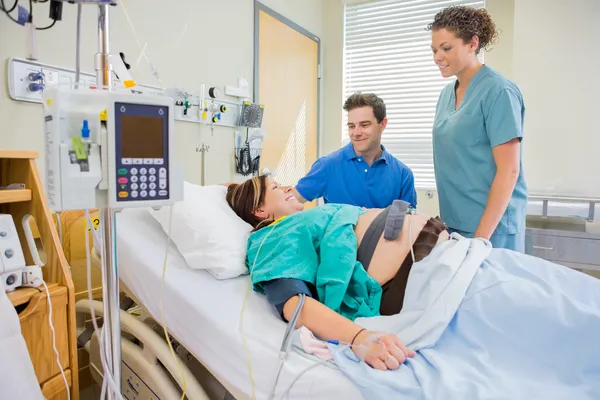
pixel 203 313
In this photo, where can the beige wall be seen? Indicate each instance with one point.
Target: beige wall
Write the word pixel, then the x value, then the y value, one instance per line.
pixel 500 57
pixel 333 64
pixel 199 40
pixel 562 126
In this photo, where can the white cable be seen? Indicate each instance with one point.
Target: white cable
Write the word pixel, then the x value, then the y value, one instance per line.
pixel 97 240
pixel 410 243
pixel 103 392
pixel 107 376
pixel 62 372
pixel 287 392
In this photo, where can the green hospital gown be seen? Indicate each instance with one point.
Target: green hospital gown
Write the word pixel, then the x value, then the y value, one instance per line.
pixel 319 247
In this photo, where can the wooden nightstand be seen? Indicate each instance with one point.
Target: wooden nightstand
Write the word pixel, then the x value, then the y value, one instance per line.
pixel 19 167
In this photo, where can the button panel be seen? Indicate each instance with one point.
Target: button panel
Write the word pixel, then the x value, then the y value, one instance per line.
pixel 145 180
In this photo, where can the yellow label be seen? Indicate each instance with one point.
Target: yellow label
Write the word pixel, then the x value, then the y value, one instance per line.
pixel 96 222
pixel 49 102
pixel 129 83
pixel 103 116
pixel 79 149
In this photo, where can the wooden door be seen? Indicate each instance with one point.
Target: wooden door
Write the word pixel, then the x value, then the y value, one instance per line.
pixel 287 84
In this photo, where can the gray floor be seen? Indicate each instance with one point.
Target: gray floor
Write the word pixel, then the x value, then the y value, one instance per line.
pixel 90 393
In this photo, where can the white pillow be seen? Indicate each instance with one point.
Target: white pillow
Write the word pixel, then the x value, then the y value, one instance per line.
pixel 206 231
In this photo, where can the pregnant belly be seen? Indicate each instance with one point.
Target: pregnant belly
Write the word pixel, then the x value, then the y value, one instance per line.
pixel 389 254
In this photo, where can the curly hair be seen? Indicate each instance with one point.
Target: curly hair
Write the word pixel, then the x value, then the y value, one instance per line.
pixel 466 22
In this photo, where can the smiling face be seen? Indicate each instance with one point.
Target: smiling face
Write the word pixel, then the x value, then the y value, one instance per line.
pixel 452 54
pixel 364 130
pixel 277 202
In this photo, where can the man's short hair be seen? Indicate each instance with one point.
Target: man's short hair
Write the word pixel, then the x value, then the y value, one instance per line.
pixel 367 100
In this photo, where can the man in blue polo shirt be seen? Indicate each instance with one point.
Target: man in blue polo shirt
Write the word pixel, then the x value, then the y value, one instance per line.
pixel 362 173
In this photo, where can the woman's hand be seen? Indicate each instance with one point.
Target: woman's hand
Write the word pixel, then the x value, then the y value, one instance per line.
pixel 381 350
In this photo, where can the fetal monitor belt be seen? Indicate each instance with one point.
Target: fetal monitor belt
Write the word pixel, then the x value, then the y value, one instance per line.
pixel 395 219
pixel 389 222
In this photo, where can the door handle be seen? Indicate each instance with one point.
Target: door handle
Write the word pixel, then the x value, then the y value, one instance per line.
pixel 543 248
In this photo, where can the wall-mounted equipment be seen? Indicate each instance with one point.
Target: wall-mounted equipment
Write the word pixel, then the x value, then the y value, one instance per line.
pixel 27 80
pixel 247 154
pixel 252 115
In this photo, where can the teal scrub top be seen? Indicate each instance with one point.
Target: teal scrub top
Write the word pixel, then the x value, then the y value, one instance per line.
pixel 490 114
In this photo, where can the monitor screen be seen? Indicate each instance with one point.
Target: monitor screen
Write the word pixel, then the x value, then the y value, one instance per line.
pixel 141 137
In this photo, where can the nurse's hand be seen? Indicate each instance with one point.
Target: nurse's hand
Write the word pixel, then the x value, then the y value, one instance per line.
pixel 381 350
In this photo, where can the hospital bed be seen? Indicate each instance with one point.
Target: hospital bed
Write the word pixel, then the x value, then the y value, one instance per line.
pixel 202 314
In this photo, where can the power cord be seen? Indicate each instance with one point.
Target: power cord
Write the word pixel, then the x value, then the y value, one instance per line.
pixel 241 322
pixel 30 18
pixel 62 372
pixel 107 378
pixel 11 9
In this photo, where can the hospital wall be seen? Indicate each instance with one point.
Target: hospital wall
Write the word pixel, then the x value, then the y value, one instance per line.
pixel 197 41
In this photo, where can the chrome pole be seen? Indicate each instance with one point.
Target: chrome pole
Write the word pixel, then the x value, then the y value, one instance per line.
pixel 110 271
pixel 204 148
pixel 103 66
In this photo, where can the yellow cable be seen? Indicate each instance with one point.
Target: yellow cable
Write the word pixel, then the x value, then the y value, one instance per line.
pixel 244 338
pixel 162 313
pixel 244 307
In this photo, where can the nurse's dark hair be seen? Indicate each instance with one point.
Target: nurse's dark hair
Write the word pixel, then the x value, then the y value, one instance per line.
pixel 245 198
pixel 466 22
pixel 358 100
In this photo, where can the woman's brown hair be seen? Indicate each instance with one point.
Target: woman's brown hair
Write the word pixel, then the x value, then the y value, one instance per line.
pixel 245 198
pixel 466 22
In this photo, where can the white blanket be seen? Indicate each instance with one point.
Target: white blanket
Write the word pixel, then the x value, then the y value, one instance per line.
pixel 436 287
pixel 17 376
pixel 488 324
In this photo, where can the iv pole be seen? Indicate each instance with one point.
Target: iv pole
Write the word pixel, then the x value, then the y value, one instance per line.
pixel 110 272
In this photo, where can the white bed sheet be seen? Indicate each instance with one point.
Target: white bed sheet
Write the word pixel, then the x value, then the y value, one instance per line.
pixel 203 313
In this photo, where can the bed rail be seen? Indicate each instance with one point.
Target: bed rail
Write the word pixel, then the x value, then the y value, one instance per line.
pixel 154 347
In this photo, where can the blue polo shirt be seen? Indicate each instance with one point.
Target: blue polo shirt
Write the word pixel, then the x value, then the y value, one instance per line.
pixel 345 178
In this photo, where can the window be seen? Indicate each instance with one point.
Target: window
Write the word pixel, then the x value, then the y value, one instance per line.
pixel 387 51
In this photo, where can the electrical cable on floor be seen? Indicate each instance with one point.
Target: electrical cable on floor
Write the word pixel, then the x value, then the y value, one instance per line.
pixel 62 371
pixel 106 375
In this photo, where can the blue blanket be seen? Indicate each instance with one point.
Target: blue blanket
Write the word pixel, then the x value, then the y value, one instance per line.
pixel 512 327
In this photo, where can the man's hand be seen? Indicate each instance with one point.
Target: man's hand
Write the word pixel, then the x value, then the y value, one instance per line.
pixel 381 350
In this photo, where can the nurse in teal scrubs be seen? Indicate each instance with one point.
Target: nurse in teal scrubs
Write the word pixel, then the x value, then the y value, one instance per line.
pixel 477 134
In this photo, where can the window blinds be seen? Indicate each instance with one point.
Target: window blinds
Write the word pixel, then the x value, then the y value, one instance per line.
pixel 387 51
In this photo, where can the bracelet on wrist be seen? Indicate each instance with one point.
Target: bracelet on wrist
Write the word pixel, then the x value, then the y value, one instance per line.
pixel 356 335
